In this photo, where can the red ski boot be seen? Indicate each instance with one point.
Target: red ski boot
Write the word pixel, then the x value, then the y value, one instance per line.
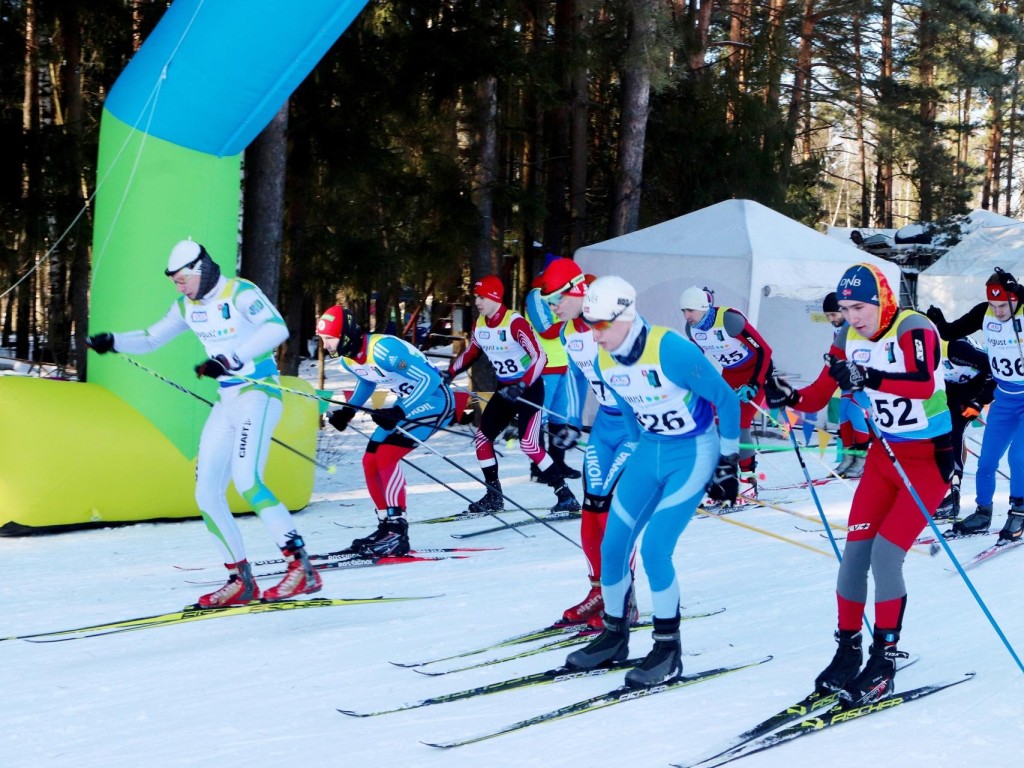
pixel 241 588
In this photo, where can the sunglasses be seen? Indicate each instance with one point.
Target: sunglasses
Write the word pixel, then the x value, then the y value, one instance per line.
pixel 604 325
pixel 556 296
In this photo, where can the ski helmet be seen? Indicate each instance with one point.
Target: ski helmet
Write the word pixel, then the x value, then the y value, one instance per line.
pixel 608 299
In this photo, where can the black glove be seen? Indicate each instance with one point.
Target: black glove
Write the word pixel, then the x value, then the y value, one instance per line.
pixel 217 366
pixel 566 437
pixel 1009 282
pixel 387 418
pixel 101 343
pixel 725 483
pixel 935 315
pixel 849 375
pixel 779 394
pixel 512 392
pixel 340 418
pixel 971 410
pixel 446 377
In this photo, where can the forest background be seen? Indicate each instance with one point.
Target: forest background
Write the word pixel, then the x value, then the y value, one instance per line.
pixel 439 140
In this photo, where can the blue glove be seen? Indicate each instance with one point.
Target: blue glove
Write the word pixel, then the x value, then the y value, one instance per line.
pixel 725 483
pixel 512 392
pixel 747 392
pixel 101 343
pixel 388 418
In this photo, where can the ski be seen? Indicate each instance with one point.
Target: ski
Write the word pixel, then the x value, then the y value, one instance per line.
pixel 807 707
pixel 345 554
pixel 949 535
pixel 192 613
pixel 560 675
pixel 580 636
pixel 610 698
pixel 797 486
pixel 554 517
pixel 354 561
pixel 987 554
pixel 836 715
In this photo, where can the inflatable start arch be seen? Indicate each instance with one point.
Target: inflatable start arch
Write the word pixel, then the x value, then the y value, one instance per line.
pixel 123 447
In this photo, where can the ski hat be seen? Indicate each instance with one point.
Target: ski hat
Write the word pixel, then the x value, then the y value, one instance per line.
pixel 562 277
pixel 867 284
pixel 339 323
pixel 1001 286
pixel 697 298
pixel 608 299
pixel 190 258
pixel 831 303
pixel 489 287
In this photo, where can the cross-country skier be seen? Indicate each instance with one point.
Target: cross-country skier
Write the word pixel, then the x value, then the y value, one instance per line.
pixel 726 335
pixel 563 285
pixel 1000 321
pixel 510 344
pixel 894 356
pixel 239 328
pixel 424 403
pixel 673 392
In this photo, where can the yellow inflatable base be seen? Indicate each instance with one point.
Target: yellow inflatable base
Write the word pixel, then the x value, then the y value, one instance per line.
pixel 75 454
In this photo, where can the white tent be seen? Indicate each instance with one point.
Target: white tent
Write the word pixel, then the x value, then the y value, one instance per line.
pixel 773 269
pixel 956 282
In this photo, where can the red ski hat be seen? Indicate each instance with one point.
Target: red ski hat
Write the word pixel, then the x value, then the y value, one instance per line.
pixel 563 276
pixel 489 287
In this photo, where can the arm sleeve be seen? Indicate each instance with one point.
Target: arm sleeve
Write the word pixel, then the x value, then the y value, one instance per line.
pixel 255 308
pixel 401 360
pixel 737 326
pixel 919 343
pixel 162 331
pixel 964 325
pixel 363 388
pixel 816 395
pixel 466 358
pixel 685 364
pixel 524 335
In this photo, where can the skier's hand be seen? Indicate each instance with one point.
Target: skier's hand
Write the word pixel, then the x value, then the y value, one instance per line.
pixel 566 437
pixel 340 417
pixel 217 366
pixel 971 410
pixel 935 315
pixel 512 392
pixel 446 377
pixel 101 343
pixel 849 375
pixel 388 418
pixel 747 392
pixel 725 483
pixel 779 394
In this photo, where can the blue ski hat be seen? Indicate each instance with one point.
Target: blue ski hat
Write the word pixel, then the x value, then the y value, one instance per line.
pixel 859 283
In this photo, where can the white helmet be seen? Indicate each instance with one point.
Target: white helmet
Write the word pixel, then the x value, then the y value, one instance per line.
pixel 609 298
pixel 696 298
pixel 185 255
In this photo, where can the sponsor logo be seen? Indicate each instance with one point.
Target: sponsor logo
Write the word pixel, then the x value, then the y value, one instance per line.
pixel 652 377
pixel 861 356
pixel 243 438
pixel 918 349
pixel 993 326
pixel 502 335
pixel 361 372
pixel 850 281
pixel 225 310
pixel 575 345
pixel 198 316
pixel 483 334
pixel 256 307
pixel 619 380
pixel 860 527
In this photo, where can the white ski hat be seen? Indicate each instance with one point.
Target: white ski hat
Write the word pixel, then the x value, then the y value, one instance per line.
pixel 185 255
pixel 609 298
pixel 695 298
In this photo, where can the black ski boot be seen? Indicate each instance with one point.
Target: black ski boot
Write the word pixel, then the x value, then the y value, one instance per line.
pixel 380 533
pixel 978 522
pixel 394 542
pixel 844 665
pixel 566 501
pixel 876 680
pixel 558 456
pixel 610 646
pixel 491 502
pixel 950 506
pixel 1014 526
pixel 664 664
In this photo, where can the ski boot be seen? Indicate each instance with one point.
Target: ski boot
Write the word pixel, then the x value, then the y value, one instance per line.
pixel 876 680
pixel 609 647
pixel 300 578
pixel 566 501
pixel 394 542
pixel 1014 525
pixel 844 665
pixel 844 464
pixel 664 664
pixel 855 470
pixel 978 522
pixel 380 533
pixel 240 589
pixel 490 502
pixel 591 605
pixel 950 506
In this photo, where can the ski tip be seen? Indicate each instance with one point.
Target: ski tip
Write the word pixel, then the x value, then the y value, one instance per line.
pixel 403 665
pixel 351 713
pixel 436 746
pixel 426 673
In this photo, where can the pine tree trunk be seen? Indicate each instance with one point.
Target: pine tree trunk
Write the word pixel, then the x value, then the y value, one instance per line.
pixel 266 163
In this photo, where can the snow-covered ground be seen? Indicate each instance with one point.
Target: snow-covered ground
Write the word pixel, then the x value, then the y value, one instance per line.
pixel 263 690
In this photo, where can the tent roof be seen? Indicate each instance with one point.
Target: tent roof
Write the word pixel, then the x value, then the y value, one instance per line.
pixel 980 251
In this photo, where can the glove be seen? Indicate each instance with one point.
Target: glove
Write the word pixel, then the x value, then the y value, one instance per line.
pixel 725 483
pixel 566 437
pixel 935 315
pixel 747 392
pixel 387 418
pixel 217 366
pixel 340 418
pixel 512 392
pixel 446 377
pixel 853 377
pixel 101 343
pixel 971 410
pixel 779 394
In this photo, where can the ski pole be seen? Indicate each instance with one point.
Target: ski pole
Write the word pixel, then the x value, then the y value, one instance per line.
pixel 440 482
pixel 330 468
pixel 858 398
pixel 488 486
pixel 789 428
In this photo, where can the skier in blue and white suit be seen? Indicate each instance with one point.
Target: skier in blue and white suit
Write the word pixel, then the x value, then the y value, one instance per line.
pixel 674 392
